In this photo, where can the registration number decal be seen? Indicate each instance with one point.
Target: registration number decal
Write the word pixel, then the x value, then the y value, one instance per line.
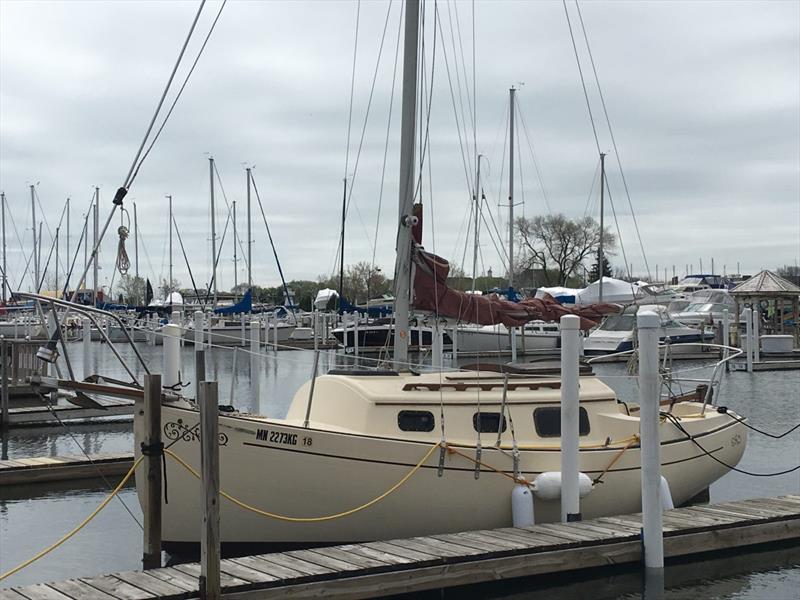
pixel 279 437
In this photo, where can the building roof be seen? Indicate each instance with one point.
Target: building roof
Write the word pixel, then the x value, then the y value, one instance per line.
pixel 766 284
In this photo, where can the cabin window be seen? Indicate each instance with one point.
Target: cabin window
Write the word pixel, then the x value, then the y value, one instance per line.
pixel 488 422
pixel 415 420
pixel 547 421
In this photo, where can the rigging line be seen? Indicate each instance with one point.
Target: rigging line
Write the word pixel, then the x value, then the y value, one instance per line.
pixel 219 255
pixel 613 139
pixel 388 131
pixel 583 82
pixel 465 164
pixel 499 249
pixel 471 109
pixel 464 114
pixel 425 153
pixel 46 224
pixel 185 258
pixel 366 119
pixel 467 236
pixel 271 243
pixel 227 204
pixel 545 195
pixel 352 90
pixel 619 233
pixel 180 90
pixel 131 175
pixel 84 232
pixel 591 189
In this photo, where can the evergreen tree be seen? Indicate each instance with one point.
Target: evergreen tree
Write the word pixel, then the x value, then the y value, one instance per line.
pixel 593 276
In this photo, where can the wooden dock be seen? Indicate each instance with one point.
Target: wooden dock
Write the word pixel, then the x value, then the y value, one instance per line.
pixel 768 365
pixel 21 471
pixel 22 416
pixel 439 561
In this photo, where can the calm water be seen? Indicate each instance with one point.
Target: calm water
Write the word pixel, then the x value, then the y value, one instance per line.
pixel 33 517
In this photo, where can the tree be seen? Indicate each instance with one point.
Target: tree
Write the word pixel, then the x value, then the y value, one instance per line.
pixel 360 280
pixel 593 276
pixel 558 245
pixel 132 289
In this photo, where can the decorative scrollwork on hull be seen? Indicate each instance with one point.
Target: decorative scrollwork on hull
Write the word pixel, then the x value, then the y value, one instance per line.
pixel 174 430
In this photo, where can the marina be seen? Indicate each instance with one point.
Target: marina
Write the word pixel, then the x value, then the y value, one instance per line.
pixel 438 375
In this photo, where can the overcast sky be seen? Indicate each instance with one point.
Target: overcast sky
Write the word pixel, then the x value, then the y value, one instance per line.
pixel 703 97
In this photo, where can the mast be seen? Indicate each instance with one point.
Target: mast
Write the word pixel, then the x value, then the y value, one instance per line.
pixel 249 236
pixel 35 244
pixel 511 94
pixel 136 239
pixel 68 254
pixel 476 236
pixel 213 232
pixel 96 250
pixel 341 245
pixel 57 230
pixel 600 263
pixel 235 257
pixel 402 269
pixel 3 211
pixel 169 285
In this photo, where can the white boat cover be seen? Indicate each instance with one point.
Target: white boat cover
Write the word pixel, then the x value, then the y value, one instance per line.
pixel 614 290
pixel 323 297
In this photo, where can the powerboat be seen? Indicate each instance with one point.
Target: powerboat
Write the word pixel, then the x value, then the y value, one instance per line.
pixel 706 307
pixel 617 332
pixel 535 335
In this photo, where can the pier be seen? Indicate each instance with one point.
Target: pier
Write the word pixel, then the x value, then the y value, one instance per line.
pixel 446 560
pixel 19 471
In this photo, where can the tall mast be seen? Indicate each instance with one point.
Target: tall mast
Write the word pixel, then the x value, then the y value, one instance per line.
pixel 341 244
pixel 511 94
pixel 213 232
pixel 476 236
pixel 57 230
pixel 249 236
pixel 136 239
pixel 169 285
pixel 235 257
pixel 600 261
pixel 35 244
pixel 402 269
pixel 68 254
pixel 96 250
pixel 3 211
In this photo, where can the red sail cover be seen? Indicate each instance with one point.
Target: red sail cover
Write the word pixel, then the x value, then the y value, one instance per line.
pixel 430 293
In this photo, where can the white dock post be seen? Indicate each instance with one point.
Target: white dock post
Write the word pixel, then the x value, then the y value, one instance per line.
pixel 151 330
pixel 5 357
pixel 198 330
pixel 649 398
pixel 209 460
pixel 513 344
pixel 454 352
pixel 172 354
pixel 151 464
pixel 87 348
pixel 726 332
pixel 255 359
pixel 756 315
pixel 175 319
pixel 436 347
pixel 748 346
pixel 243 331
pixel 355 333
pixel 275 332
pixel 570 428
pixel 315 321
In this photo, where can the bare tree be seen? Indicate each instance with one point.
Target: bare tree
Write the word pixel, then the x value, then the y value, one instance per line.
pixel 558 245
pixel 132 289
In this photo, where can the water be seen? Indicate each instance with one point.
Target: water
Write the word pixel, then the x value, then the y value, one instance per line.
pixel 32 517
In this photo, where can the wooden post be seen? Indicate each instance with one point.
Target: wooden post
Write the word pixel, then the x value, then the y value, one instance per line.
pixel 209 459
pixel 4 346
pixel 151 555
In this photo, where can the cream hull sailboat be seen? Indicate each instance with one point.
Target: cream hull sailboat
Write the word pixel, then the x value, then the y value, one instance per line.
pixel 367 433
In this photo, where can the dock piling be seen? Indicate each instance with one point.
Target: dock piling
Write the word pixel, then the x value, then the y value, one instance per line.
pixel 6 359
pixel 649 398
pixel 570 406
pixel 748 324
pixel 255 340
pixel 172 354
pixel 210 588
pixel 87 348
pixel 151 448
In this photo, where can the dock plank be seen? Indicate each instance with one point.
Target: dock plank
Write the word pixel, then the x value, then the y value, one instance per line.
pixel 193 570
pixel 567 532
pixel 155 586
pixel 176 578
pixel 11 594
pixel 375 554
pixel 75 588
pixel 278 571
pixel 434 547
pixel 347 556
pixel 296 563
pixel 413 555
pixel 245 573
pixel 334 564
pixel 42 591
pixel 116 587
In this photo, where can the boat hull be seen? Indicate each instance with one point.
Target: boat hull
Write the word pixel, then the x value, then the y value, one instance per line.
pixel 307 472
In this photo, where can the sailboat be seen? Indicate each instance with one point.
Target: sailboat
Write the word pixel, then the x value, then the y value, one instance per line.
pixel 369 455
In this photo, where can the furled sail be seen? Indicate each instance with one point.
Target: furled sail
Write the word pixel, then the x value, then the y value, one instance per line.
pixel 431 293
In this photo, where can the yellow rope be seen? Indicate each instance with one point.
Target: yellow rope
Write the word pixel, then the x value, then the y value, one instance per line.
pixel 83 524
pixel 635 438
pixel 521 480
pixel 264 513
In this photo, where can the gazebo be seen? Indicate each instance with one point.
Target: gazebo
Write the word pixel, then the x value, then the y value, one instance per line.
pixel 766 290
